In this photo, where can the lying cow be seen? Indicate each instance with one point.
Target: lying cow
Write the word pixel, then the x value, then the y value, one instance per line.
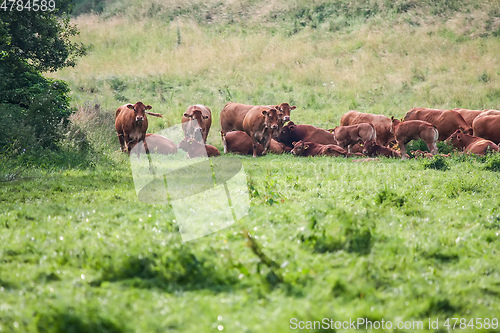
pixel 406 131
pixel 302 148
pixel 487 126
pixel 261 124
pixel 472 144
pixel 372 149
pixel 446 121
pixel 348 136
pixel 381 123
pixel 293 133
pixel 241 143
pixel 131 124
pixel 197 149
pixel 233 114
pixel 158 144
pixel 196 122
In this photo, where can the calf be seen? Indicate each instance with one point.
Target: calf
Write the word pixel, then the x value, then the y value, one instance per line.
pixel 372 149
pixel 446 121
pixel 381 123
pixel 261 123
pixel 406 131
pixel 197 149
pixel 131 125
pixel 472 144
pixel 348 136
pixel 302 148
pixel 293 133
pixel 196 122
pixel 241 143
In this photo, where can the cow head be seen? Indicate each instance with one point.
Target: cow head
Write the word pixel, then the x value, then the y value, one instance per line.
pixel 367 147
pixel 188 144
pixel 286 134
pixel 299 148
pixel 395 124
pixel 284 111
pixel 456 139
pixel 270 119
pixel 192 122
pixel 139 111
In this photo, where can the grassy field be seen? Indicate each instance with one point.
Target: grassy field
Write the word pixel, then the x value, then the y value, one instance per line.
pixel 403 241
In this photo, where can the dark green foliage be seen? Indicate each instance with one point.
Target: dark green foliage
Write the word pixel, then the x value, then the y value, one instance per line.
pixel 437 163
pixel 493 163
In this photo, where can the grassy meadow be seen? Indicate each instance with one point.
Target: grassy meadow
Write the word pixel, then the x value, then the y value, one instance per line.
pixel 409 241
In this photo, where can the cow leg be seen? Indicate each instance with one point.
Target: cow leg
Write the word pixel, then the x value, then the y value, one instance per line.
pixel 146 148
pixel 126 138
pixel 224 143
pixel 349 148
pixel 403 150
pixel 266 145
pixel 122 143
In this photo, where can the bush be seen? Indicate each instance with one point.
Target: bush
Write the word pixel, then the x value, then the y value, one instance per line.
pixel 437 163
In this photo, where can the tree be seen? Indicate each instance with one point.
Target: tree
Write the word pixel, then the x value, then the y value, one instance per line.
pixel 32 42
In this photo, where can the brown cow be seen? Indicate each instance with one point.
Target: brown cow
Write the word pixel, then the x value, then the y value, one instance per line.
pixel 293 133
pixel 348 136
pixel 195 148
pixel 372 149
pixel 302 148
pixel 468 115
pixel 261 123
pixel 232 115
pixel 196 122
pixel 381 123
pixel 241 143
pixel 131 125
pixel 158 144
pixel 446 121
pixel 487 126
pixel 406 131
pixel 472 144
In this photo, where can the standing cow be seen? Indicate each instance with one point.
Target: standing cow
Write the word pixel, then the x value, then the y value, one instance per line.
pixel 348 136
pixel 196 122
pixel 446 121
pixel 131 125
pixel 408 130
pixel 381 123
pixel 261 124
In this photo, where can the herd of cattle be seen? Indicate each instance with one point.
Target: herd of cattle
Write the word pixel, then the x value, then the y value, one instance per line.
pixel 258 129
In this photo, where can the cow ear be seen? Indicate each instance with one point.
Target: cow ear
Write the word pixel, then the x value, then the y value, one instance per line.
pixel 148 107
pixel 392 118
pixel 264 112
pixel 462 131
pixel 186 115
pixel 205 117
pixel 293 143
pixel 293 107
pixel 130 106
pixel 306 146
pixel 292 127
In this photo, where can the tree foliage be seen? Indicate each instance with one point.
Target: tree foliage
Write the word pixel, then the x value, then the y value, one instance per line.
pixel 32 43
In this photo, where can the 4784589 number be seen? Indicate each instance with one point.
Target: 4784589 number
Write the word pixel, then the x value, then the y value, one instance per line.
pixel 28 5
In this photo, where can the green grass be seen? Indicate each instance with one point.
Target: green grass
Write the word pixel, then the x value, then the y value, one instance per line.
pixel 389 239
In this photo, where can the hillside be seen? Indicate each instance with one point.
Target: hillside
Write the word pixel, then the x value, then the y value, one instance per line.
pixel 324 57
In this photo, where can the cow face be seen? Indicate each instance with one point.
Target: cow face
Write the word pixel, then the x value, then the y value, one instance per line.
pixel 284 111
pixel 456 138
pixel 299 148
pixel 188 144
pixel 286 134
pixel 192 124
pixel 367 147
pixel 139 111
pixel 395 123
pixel 270 119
